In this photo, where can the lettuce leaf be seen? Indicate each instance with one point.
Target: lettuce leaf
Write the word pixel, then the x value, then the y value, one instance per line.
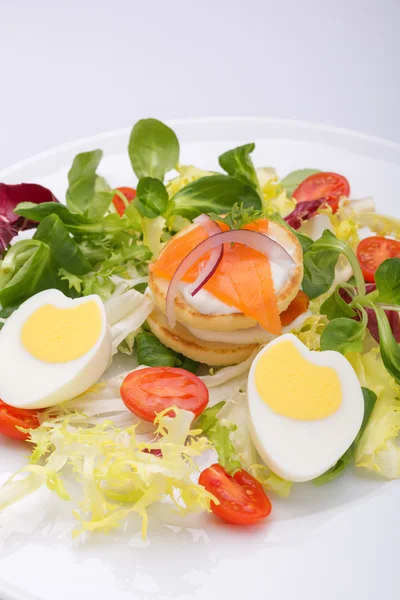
pixel 378 449
pixel 82 178
pixel 152 233
pixel 28 268
pixel 274 197
pixel 126 310
pixel 380 224
pixel 270 481
pixel 116 472
pixel 344 225
pixel 348 456
pixel 238 163
pixel 234 416
pixel 303 211
pixel 312 328
pixel 152 353
pixel 186 175
pixel 219 435
pixel 226 426
pixel 153 149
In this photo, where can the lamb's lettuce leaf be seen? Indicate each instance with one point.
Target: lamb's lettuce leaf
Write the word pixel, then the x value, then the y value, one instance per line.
pixel 153 149
pixel 152 353
pixel 237 163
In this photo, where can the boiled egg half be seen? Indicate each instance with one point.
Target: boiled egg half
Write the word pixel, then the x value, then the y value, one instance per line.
pixel 306 408
pixel 53 348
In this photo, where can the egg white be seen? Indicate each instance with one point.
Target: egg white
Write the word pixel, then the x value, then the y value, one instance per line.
pixel 25 381
pixel 302 450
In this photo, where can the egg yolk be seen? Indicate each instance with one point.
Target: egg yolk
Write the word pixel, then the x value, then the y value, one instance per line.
pixel 59 335
pixel 294 387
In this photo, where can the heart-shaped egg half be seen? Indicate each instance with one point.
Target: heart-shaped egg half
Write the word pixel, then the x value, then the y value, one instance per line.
pixel 305 407
pixel 53 348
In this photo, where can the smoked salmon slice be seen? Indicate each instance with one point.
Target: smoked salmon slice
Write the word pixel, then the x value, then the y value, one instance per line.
pixel 297 307
pixel 242 278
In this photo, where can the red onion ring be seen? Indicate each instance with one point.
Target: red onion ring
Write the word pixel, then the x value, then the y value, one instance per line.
pixel 253 239
pixel 208 224
pixel 212 228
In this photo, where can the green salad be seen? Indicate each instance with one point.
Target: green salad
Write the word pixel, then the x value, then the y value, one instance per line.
pixel 259 315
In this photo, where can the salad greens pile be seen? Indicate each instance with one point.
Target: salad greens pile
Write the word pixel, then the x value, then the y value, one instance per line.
pixel 85 246
pixel 80 246
pixel 119 474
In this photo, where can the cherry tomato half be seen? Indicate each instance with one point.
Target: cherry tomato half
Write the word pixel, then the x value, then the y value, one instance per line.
pixel 150 391
pixel 323 185
pixel 11 418
pixel 129 193
pixel 372 251
pixel 242 500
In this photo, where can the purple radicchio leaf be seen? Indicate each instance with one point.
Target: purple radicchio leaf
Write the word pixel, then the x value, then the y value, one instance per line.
pixel 304 211
pixel 7 232
pixel 10 196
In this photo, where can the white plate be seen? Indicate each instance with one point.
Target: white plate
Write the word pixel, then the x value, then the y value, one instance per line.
pixel 336 541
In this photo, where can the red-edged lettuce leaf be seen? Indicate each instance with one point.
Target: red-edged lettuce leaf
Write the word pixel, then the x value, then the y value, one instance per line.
pixel 304 211
pixel 7 232
pixel 394 322
pixel 392 316
pixel 10 197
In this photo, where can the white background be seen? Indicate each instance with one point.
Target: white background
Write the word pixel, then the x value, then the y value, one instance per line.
pixel 75 68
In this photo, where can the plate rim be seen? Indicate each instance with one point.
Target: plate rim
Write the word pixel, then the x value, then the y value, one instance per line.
pixel 108 134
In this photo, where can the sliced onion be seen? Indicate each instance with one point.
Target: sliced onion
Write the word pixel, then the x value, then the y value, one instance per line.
pixel 253 239
pixel 212 228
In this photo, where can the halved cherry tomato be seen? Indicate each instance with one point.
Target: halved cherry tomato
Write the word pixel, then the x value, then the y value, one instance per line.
pixel 11 418
pixel 297 307
pixel 323 185
pixel 129 193
pixel 150 391
pixel 242 500
pixel 372 251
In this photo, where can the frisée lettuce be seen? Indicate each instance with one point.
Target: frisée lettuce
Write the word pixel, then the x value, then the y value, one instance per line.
pixel 117 473
pixel 378 449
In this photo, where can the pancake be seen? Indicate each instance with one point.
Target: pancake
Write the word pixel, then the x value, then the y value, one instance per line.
pixel 182 341
pixel 191 317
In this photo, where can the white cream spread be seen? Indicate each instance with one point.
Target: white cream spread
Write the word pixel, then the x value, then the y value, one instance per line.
pixel 205 302
pixel 278 273
pixel 253 335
